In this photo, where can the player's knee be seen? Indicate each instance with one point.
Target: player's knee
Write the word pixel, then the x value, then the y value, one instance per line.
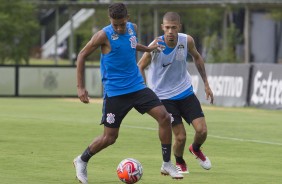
pixel 203 132
pixel 180 138
pixel 165 119
pixel 111 139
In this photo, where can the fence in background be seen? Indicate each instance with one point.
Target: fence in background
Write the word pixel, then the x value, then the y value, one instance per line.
pixel 236 85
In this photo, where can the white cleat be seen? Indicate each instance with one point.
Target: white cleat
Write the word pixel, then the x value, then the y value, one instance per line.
pixel 204 161
pixel 182 168
pixel 169 169
pixel 81 170
pixel 205 164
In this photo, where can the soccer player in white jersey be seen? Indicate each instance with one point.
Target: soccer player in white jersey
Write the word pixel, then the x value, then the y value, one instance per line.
pixel 168 77
pixel 124 89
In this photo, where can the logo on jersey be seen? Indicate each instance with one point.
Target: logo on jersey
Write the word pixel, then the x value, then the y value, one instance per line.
pixel 114 36
pixel 130 31
pixel 180 46
pixel 133 41
pixel 180 55
pixel 165 65
pixel 110 118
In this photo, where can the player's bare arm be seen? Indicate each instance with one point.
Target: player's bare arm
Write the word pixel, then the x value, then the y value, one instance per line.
pixel 96 41
pixel 199 62
pixel 143 63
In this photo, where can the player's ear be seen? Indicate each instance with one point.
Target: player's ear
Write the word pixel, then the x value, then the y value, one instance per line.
pixel 162 26
pixel 180 28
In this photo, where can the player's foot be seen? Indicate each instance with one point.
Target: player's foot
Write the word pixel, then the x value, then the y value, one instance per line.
pixel 203 160
pixel 182 168
pixel 169 169
pixel 80 169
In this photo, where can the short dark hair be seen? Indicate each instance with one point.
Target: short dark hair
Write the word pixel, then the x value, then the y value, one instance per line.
pixel 172 16
pixel 117 11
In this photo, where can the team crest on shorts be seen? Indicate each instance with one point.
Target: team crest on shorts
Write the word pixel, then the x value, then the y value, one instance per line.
pixel 110 118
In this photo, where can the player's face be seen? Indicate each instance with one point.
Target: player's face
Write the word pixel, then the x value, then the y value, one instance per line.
pixel 119 25
pixel 171 29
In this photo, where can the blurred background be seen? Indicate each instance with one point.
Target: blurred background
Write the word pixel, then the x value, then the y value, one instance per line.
pixel 240 41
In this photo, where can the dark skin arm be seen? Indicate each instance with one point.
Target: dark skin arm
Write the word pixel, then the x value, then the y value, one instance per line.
pixel 199 62
pixel 98 40
pixel 145 61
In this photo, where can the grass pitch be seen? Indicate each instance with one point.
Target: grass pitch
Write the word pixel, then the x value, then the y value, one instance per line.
pixel 40 137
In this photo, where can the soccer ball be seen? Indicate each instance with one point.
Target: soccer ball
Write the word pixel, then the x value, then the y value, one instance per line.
pixel 129 171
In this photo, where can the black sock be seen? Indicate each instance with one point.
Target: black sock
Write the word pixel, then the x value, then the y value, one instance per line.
pixel 179 160
pixel 86 155
pixel 196 147
pixel 166 150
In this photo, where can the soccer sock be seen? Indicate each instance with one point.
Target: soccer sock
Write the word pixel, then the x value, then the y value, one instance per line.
pixel 179 160
pixel 86 155
pixel 166 150
pixel 196 147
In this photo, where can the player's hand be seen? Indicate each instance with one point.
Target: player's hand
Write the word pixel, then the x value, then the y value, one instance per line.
pixel 209 94
pixel 160 44
pixel 83 95
pixel 155 46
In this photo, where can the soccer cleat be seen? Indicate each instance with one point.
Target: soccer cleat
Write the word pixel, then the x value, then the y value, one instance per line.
pixel 169 169
pixel 204 161
pixel 182 168
pixel 80 169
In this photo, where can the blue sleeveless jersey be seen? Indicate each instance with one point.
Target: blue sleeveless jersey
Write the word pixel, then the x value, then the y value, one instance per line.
pixel 119 70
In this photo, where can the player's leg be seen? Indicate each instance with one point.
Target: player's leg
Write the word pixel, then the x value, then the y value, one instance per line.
pixel 147 101
pixel 114 110
pixel 195 115
pixel 106 139
pixel 99 143
pixel 165 135
pixel 201 132
pixel 200 127
pixel 163 118
pixel 179 146
pixel 179 139
pixel 179 134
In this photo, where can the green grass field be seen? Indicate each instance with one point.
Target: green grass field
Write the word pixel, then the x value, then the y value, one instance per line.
pixel 39 137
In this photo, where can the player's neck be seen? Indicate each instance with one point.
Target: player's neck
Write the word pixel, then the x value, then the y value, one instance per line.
pixel 171 43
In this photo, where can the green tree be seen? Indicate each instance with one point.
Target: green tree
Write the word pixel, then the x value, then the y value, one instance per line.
pixel 276 14
pixel 18 30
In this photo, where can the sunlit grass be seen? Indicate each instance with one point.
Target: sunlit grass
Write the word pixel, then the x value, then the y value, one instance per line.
pixel 39 137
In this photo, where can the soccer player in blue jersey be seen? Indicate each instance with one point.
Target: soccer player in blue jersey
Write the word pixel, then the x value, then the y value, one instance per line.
pixel 124 88
pixel 168 77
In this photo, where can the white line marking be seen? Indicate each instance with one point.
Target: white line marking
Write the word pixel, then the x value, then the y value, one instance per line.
pixel 214 136
pixel 246 140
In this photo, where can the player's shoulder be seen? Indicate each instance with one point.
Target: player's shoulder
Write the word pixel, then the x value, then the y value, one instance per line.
pixel 99 36
pixel 101 33
pixel 182 34
pixel 188 37
pixel 133 25
pixel 185 35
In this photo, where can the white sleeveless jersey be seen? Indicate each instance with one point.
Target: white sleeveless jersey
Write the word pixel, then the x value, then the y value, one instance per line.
pixel 167 75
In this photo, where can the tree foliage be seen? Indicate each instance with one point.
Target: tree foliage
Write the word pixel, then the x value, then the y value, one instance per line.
pixel 18 30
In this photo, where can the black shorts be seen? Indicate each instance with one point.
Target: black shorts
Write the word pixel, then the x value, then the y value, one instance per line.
pixel 115 108
pixel 188 108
